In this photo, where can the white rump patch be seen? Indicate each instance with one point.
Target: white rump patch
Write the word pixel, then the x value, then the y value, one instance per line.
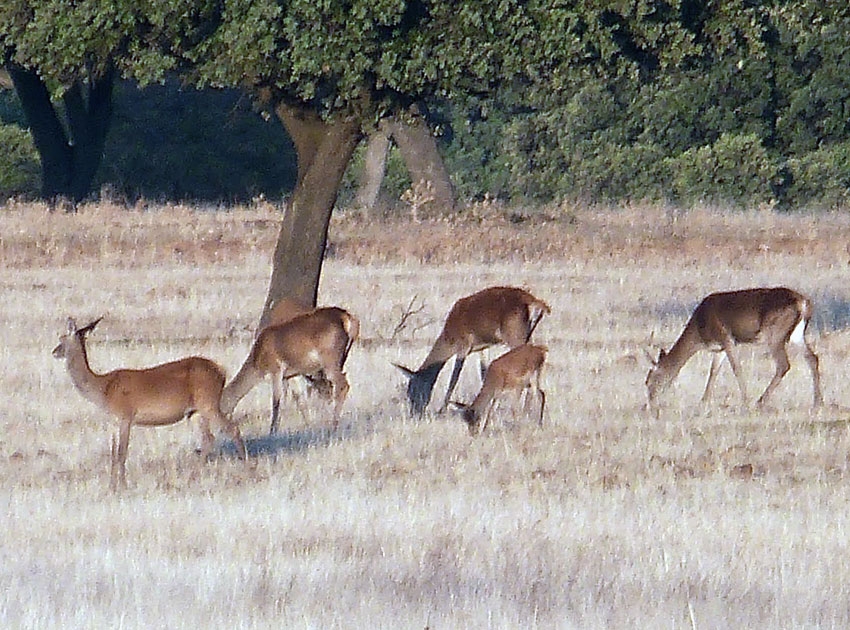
pixel 798 334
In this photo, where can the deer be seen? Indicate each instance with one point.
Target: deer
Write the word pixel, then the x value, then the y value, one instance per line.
pixel 518 370
pixel 156 396
pixel 285 310
pixel 772 317
pixel 315 342
pixel 496 315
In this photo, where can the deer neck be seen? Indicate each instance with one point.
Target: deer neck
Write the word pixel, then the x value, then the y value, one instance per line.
pixel 441 351
pixel 90 385
pixel 238 388
pixel 684 348
pixel 483 399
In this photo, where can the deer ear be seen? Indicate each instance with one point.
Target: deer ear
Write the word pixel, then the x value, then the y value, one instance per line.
pixel 89 327
pixel 71 325
pixel 407 371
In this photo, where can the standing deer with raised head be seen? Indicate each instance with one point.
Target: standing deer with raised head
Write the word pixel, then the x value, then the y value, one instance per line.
pixel 517 370
pixel 156 396
pixel 497 315
pixel 767 316
pixel 312 343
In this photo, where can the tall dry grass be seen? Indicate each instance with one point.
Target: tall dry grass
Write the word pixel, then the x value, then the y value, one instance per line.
pixel 604 518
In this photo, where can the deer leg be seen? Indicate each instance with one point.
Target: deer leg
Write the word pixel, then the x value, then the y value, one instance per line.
pixel 485 417
pixel 812 362
pixel 729 349
pixel 298 398
pixel 341 387
pixel 524 399
pixel 542 406
pixel 232 429
pixel 207 440
pixel 453 380
pixel 119 455
pixel 277 392
pixel 542 395
pixel 780 357
pixel 482 367
pixel 716 363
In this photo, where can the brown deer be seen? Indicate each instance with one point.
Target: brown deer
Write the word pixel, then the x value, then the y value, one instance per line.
pixel 156 396
pixel 767 316
pixel 497 315
pixel 517 370
pixel 315 342
pixel 286 309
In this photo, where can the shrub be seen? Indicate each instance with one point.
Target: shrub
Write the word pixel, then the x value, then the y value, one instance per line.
pixel 820 178
pixel 735 169
pixel 20 172
pixel 171 142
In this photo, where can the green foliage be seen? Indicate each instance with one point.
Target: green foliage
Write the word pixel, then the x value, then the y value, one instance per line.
pixel 734 169
pixel 742 101
pixel 19 166
pixel 474 153
pixel 818 179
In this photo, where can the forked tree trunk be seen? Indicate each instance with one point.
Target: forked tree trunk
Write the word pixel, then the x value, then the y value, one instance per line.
pixel 374 168
pixel 418 149
pixel 324 150
pixel 69 160
pixel 47 131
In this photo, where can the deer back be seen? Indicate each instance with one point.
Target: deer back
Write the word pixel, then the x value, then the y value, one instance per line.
pixel 307 343
pixel 514 370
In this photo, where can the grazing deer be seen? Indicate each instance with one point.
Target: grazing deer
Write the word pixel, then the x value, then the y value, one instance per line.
pixel 156 396
pixel 492 316
pixel 286 309
pixel 517 370
pixel 765 316
pixel 318 341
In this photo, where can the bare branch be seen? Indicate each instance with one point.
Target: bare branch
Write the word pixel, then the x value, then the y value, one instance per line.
pixel 408 312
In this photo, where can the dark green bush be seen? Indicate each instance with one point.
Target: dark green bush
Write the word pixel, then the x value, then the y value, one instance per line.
pixel 819 178
pixel 736 169
pixel 20 172
pixel 175 143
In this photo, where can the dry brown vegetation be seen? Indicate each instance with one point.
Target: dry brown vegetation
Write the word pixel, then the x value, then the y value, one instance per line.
pixel 605 517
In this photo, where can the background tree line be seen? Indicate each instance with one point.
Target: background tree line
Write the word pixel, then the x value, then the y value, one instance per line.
pixel 740 102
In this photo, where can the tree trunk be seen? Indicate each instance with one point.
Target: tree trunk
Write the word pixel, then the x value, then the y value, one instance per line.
pixel 374 168
pixel 324 150
pixel 419 151
pixel 47 131
pixel 69 159
pixel 89 112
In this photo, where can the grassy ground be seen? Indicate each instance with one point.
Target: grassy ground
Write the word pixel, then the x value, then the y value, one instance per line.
pixel 605 518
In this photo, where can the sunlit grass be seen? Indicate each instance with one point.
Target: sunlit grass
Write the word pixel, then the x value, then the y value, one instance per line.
pixel 604 518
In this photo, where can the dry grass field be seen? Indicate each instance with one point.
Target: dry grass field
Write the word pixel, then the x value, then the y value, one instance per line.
pixel 604 518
